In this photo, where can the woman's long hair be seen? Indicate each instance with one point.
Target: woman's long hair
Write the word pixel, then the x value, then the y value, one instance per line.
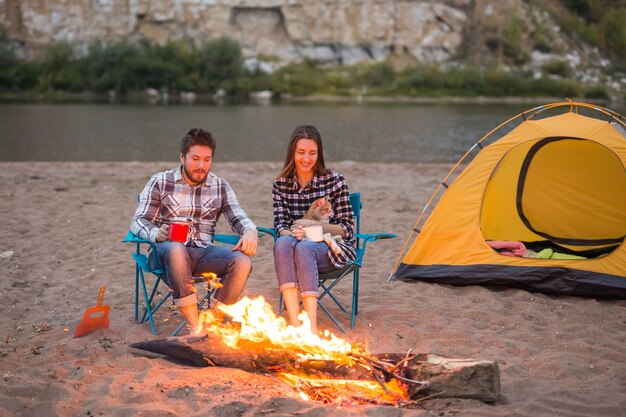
pixel 303 132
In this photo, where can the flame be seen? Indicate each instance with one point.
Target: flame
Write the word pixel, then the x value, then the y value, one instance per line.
pixel 344 391
pixel 212 280
pixel 252 321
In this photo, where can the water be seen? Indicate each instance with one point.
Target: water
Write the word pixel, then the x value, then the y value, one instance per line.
pixel 357 132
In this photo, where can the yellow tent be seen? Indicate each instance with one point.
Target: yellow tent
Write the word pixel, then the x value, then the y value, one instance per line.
pixel 555 184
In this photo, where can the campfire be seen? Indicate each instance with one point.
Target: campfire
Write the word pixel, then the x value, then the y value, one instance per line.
pixel 254 325
pixel 324 368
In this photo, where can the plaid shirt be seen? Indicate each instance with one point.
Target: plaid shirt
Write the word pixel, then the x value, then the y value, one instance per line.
pixel 291 202
pixel 167 195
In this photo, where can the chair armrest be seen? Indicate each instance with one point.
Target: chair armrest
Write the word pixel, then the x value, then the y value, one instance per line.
pixel 370 237
pixel 132 238
pixel 228 239
pixel 232 239
pixel 269 231
pixel 221 238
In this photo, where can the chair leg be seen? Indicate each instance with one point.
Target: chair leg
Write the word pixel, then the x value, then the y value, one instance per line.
pixel 355 297
pixel 137 292
pixel 179 328
pixel 331 295
pixel 329 314
pixel 156 307
pixel 148 300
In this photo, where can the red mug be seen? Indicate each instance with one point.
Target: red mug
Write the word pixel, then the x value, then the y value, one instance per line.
pixel 179 228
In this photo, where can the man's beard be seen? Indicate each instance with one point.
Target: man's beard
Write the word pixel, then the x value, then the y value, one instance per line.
pixel 196 176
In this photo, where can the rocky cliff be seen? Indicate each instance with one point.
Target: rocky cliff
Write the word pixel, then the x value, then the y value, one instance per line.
pixel 507 32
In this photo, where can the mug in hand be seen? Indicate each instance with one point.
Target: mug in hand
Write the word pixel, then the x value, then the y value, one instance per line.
pixel 314 232
pixel 179 228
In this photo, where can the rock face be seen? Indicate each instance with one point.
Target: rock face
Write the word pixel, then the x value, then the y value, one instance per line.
pixel 327 31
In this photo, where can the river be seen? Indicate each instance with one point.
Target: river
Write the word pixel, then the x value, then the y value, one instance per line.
pixel 356 132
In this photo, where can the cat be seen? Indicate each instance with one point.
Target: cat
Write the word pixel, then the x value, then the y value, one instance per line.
pixel 320 212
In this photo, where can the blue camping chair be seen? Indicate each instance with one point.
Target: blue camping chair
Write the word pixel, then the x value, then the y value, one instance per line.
pixel 140 256
pixel 329 281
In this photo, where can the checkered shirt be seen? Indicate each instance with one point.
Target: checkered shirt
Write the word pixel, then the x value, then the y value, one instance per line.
pixel 168 195
pixel 291 202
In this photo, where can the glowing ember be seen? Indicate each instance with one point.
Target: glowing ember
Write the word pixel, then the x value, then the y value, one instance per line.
pixel 253 323
pixel 345 391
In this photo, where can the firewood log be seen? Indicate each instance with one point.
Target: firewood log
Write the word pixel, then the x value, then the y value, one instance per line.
pixel 433 375
pixel 450 378
pixel 211 351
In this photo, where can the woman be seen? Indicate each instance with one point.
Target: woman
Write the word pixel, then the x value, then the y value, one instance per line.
pixel 298 262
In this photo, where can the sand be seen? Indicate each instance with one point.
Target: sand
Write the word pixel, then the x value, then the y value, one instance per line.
pixel 60 242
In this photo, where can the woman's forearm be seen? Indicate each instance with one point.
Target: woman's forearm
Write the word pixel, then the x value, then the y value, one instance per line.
pixel 333 229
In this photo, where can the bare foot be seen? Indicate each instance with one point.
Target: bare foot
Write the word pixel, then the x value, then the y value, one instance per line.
pixel 197 332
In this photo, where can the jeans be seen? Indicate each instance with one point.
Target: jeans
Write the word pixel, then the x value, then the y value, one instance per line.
pixel 181 263
pixel 298 264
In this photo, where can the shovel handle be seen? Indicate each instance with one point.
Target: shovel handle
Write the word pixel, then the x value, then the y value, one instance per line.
pixel 101 295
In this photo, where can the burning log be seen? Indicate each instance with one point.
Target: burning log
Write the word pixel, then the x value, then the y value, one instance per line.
pixel 424 375
pixel 251 357
pixel 325 368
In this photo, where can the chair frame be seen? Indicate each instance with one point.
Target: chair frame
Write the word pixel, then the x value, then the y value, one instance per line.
pixel 141 266
pixel 329 280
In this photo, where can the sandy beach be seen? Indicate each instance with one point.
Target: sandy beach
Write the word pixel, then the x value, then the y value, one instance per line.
pixel 61 241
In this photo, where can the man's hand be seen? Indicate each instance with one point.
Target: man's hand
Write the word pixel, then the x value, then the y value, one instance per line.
pixel 248 243
pixel 163 233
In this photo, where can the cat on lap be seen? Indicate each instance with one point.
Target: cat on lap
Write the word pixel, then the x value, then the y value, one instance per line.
pixel 320 213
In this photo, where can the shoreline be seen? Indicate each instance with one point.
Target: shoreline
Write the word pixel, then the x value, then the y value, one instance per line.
pixel 207 99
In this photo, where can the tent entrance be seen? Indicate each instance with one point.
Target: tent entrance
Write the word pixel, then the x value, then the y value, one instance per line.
pixel 560 192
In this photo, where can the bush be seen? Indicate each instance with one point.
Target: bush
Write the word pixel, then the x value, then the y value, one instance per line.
pixel 19 77
pixel 597 92
pixel 60 69
pixel 379 75
pixel 110 67
pixel 557 67
pixel 615 34
pixel 298 79
pixel 220 61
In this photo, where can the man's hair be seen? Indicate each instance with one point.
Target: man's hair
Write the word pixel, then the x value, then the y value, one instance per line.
pixel 194 137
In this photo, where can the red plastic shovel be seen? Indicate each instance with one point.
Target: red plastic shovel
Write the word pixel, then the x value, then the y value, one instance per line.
pixel 96 317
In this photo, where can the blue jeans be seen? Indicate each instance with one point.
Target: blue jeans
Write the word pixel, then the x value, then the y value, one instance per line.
pixel 298 264
pixel 181 263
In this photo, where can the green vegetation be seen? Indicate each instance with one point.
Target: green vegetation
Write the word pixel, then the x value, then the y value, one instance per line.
pixel 601 23
pixel 128 68
pixel 124 67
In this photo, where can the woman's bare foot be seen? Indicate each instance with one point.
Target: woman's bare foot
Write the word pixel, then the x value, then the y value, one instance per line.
pixel 296 323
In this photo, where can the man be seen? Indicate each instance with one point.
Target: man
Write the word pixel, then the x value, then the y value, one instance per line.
pixel 192 191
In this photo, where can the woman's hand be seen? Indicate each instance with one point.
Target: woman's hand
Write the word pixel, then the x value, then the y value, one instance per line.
pixel 297 232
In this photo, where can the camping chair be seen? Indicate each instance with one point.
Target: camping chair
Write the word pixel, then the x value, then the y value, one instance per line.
pixel 329 281
pixel 141 266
